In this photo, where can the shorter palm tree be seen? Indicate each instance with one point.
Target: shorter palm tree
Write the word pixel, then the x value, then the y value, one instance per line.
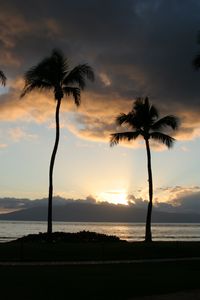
pixel 143 120
pixel 2 78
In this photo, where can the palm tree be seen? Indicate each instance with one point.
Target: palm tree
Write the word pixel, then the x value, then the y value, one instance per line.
pixel 54 73
pixel 144 121
pixel 2 78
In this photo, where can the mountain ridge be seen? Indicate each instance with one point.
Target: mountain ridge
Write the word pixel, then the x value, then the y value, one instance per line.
pixel 87 212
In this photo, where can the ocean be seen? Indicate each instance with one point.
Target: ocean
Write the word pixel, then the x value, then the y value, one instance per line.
pixel 11 230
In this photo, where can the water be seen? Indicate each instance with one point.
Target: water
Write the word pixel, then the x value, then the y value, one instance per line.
pixel 11 230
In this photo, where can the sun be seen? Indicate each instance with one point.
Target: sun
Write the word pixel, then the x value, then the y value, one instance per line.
pixel 114 196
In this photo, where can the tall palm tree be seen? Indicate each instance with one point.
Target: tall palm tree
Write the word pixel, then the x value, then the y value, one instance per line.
pixel 2 78
pixel 54 73
pixel 143 120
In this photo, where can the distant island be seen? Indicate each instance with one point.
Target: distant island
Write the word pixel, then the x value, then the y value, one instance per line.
pixel 88 211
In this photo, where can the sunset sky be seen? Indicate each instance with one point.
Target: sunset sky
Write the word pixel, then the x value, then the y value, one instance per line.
pixel 137 48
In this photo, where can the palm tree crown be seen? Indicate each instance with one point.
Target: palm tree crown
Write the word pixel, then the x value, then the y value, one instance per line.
pixel 143 120
pixel 54 73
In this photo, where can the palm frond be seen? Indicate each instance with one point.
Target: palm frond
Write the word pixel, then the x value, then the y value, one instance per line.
pixel 142 104
pixel 59 65
pixel 74 92
pixel 162 138
pixel 168 121
pixel 131 119
pixel 78 75
pixel 128 119
pixel 153 112
pixel 120 136
pixel 138 104
pixel 121 119
pixel 38 77
pixel 145 113
pixel 35 85
pixel 146 103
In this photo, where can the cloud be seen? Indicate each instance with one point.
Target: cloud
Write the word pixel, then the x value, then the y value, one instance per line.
pixel 185 200
pixel 3 145
pixel 13 204
pixel 189 202
pixel 142 48
pixel 137 202
pixel 105 79
pixel 16 134
pixel 177 199
pixel 33 107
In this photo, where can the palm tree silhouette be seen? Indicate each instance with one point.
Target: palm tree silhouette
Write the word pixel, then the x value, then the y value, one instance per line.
pixel 2 78
pixel 54 73
pixel 144 121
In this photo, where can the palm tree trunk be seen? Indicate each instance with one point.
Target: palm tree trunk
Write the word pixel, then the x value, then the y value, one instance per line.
pixel 49 226
pixel 148 235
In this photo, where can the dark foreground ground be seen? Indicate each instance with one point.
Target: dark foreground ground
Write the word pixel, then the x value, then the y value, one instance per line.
pixel 87 246
pixel 101 281
pixel 122 281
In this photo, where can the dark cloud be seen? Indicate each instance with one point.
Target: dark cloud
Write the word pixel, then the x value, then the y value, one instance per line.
pixel 137 48
pixel 13 204
pixel 189 202
pixel 180 199
pixel 137 202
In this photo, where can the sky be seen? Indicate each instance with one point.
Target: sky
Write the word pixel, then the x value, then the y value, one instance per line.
pixel 137 48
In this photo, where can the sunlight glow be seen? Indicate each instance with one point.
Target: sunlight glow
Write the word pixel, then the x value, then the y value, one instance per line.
pixel 114 196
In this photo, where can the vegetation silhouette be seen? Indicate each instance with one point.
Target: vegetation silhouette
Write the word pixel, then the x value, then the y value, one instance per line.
pixel 143 120
pixel 54 73
pixel 81 236
pixel 2 78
